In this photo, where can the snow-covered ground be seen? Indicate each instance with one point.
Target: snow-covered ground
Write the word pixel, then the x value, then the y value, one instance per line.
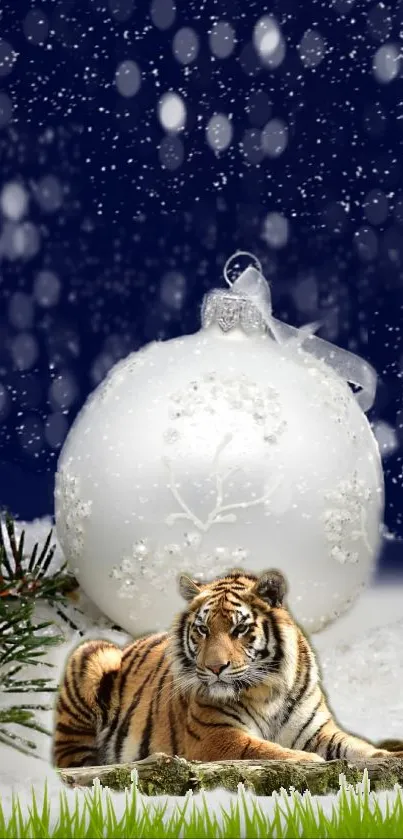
pixel 361 658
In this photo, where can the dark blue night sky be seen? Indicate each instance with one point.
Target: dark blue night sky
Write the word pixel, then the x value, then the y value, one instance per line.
pixel 141 143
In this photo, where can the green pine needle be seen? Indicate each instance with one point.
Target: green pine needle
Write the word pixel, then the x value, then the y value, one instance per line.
pixel 26 576
pixel 24 581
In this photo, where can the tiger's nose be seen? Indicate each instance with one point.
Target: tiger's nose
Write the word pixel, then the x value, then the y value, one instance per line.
pixel 217 667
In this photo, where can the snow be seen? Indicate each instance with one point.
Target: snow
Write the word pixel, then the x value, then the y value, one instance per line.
pixel 361 658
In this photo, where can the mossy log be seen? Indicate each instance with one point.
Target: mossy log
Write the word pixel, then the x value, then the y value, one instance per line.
pixel 161 774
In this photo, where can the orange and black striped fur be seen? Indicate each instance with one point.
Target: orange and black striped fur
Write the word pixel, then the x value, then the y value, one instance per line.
pixel 235 678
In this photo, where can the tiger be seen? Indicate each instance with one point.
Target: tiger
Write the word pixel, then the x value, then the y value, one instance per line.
pixel 235 678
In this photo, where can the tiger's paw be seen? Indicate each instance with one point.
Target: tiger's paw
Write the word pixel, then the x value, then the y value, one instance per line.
pixel 310 757
pixel 390 745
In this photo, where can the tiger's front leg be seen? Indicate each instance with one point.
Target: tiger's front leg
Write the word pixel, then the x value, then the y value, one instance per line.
pixel 211 736
pixel 227 743
pixel 332 743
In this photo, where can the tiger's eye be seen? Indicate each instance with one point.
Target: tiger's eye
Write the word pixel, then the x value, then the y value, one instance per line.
pixel 202 630
pixel 239 630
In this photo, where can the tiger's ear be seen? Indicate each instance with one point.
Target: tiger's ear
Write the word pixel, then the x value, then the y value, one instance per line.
pixel 188 588
pixel 271 587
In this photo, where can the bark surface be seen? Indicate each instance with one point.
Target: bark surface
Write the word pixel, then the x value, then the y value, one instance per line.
pixel 161 774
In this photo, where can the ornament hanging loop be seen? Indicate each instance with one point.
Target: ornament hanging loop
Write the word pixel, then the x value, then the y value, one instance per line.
pixel 251 283
pixel 233 258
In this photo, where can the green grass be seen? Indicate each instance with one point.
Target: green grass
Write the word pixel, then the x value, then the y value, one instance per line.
pixel 91 814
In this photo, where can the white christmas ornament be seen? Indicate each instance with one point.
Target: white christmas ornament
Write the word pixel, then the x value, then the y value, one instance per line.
pixel 242 445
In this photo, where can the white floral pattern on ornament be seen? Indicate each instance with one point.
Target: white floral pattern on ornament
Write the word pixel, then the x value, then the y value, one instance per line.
pixel 208 394
pixel 156 564
pixel 221 513
pixel 241 393
pixel 73 513
pixel 335 393
pixel 346 518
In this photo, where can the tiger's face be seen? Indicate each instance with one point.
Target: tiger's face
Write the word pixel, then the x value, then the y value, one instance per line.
pixel 229 639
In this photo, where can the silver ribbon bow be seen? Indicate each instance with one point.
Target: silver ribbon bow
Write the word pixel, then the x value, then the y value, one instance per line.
pixel 252 284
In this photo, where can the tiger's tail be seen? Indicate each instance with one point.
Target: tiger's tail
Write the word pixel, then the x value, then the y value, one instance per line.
pixel 83 702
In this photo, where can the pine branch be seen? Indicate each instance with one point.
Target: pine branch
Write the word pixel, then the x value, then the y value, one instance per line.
pixel 16 738
pixel 26 747
pixel 27 577
pixel 25 581
pixel 22 715
pixel 31 686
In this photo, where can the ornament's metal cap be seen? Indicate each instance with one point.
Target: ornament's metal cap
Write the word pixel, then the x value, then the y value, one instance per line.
pixel 230 310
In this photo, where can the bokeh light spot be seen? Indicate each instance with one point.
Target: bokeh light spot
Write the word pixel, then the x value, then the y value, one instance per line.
pixel 376 206
pixel 185 45
pixel 24 350
pixel 219 132
pixel 128 78
pixel 251 146
pixel 49 193
pixel 311 48
pixel 274 138
pixel 222 39
pixel 366 243
pixel 276 230
pixel 21 310
pixel 7 58
pixel 36 27
pixel 14 201
pixel 386 63
pixel 46 289
pixel 162 13
pixel 172 112
pixel 171 152
pixel 173 290
pixel 6 109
